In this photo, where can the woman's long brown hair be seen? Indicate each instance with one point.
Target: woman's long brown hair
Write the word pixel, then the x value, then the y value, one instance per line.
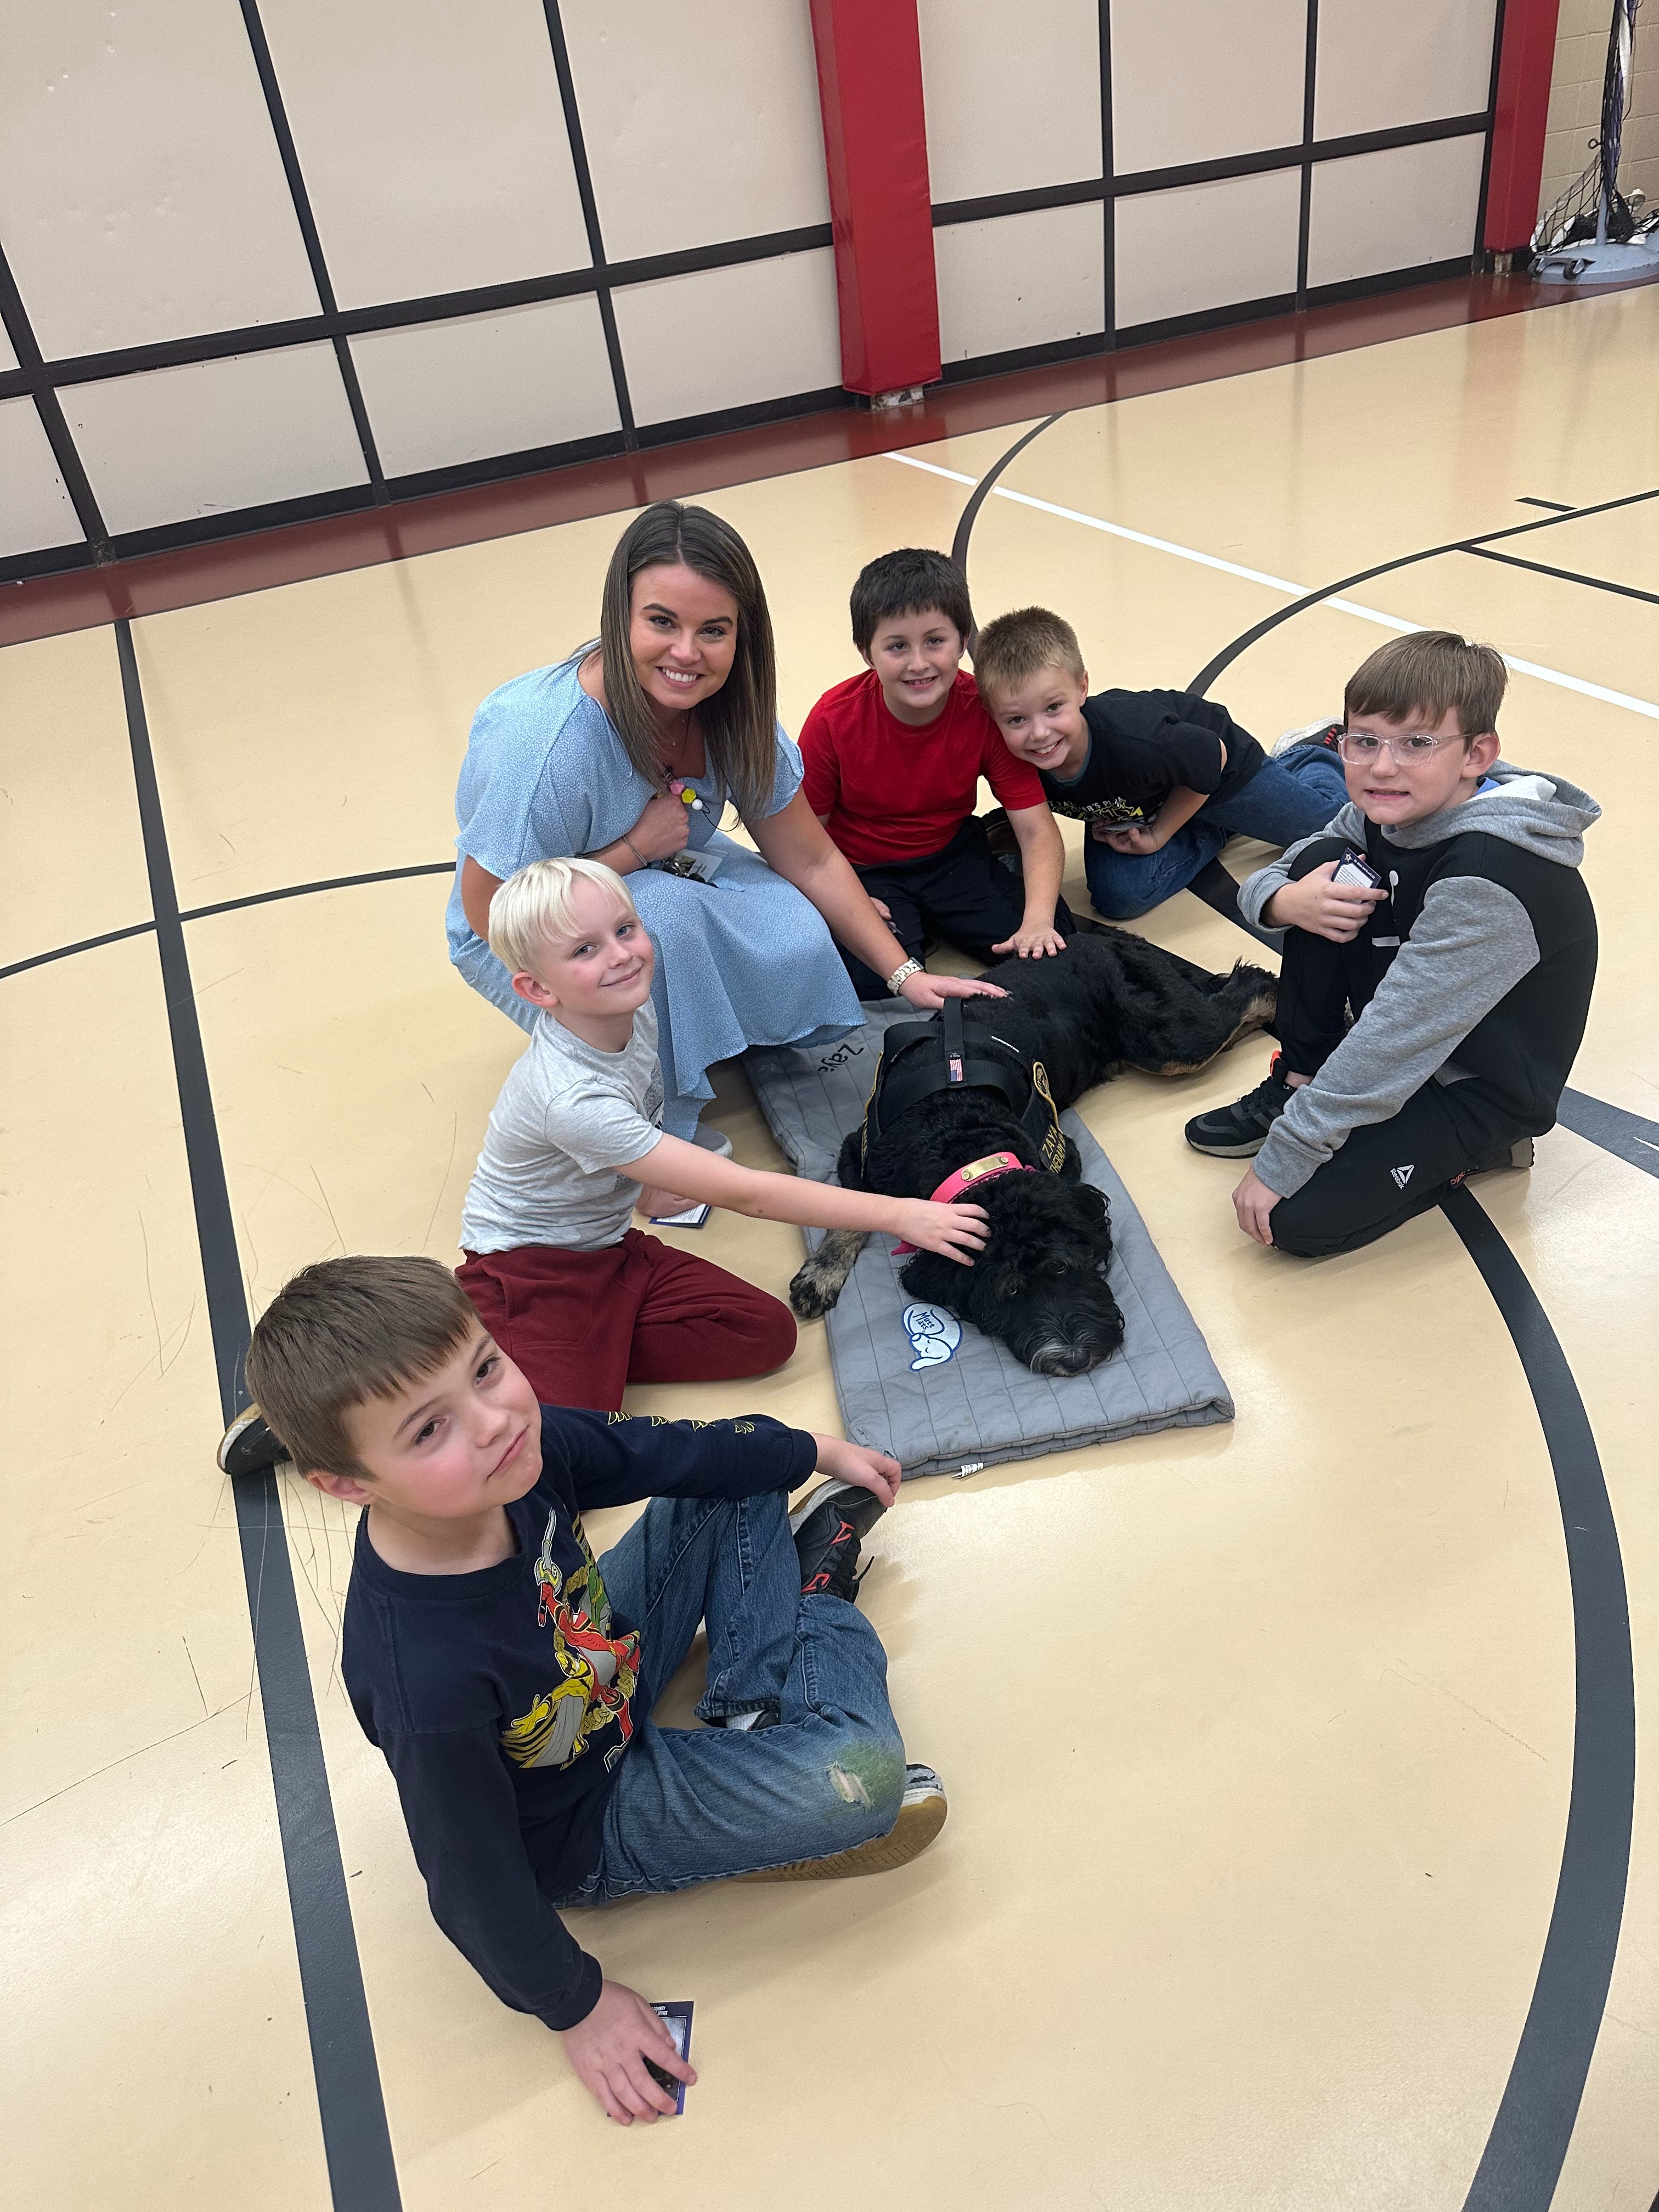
pixel 739 721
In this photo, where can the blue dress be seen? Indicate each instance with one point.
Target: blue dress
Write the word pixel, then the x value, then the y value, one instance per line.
pixel 745 960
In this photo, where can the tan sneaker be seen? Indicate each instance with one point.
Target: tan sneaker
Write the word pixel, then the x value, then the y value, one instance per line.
pixel 922 1815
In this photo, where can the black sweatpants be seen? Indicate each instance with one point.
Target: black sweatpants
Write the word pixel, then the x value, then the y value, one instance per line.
pixel 1387 1172
pixel 963 893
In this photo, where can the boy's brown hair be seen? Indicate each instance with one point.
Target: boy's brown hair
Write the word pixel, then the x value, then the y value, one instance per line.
pixel 914 581
pixel 1017 647
pixel 1433 672
pixel 346 1330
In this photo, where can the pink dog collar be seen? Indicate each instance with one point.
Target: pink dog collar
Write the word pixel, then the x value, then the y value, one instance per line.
pixel 976 1171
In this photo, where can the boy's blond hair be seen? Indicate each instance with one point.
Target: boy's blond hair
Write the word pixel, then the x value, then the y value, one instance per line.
pixel 1017 647
pixel 534 905
pixel 1433 672
pixel 343 1331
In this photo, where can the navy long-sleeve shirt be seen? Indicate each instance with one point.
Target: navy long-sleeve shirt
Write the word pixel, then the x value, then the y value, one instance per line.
pixel 502 1699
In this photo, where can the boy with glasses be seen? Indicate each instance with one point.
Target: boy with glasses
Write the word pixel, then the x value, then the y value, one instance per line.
pixel 1439 951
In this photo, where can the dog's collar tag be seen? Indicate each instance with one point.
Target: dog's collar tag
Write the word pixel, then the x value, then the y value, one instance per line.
pixel 986 1171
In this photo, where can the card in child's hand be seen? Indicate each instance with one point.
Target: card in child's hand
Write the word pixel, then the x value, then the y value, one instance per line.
pixel 676 2017
pixel 693 1217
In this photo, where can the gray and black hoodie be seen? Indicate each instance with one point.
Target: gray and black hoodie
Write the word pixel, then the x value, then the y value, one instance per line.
pixel 1485 954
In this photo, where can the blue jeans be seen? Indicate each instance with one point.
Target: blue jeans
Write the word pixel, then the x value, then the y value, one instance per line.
pixel 693 1805
pixel 1293 795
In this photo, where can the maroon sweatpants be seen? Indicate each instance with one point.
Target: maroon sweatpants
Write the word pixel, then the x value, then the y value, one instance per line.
pixel 582 1324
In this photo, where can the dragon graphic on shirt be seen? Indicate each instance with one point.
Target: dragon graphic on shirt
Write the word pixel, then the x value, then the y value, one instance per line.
pixel 598 1672
pixel 1120 813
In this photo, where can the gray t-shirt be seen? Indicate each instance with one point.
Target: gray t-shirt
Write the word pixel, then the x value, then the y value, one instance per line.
pixel 568 1113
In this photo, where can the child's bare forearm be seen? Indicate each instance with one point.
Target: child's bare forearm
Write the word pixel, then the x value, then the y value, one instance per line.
pixel 673 1164
pixel 1042 862
pixel 1177 812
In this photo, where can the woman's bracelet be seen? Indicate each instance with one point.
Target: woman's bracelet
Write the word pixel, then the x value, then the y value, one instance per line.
pixel 634 850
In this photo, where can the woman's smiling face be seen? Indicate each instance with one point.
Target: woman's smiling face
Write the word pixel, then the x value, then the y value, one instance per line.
pixel 683 633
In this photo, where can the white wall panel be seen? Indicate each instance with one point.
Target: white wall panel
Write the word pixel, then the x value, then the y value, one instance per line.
pixel 464 390
pixel 1398 210
pixel 1207 246
pixel 1211 79
pixel 1013 98
pixel 142 193
pixel 1020 280
pixel 432 142
pixel 35 507
pixel 1406 61
pixel 176 444
pixel 701 120
pixel 730 337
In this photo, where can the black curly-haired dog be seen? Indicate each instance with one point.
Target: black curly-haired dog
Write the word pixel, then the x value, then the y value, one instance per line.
pixel 1110 1000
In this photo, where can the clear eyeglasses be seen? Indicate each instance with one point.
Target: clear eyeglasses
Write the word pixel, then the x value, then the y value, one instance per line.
pixel 1360 747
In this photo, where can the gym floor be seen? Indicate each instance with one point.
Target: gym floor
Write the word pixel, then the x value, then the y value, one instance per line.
pixel 1260 1886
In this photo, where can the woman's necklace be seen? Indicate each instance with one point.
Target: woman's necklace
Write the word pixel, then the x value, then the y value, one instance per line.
pixel 667 751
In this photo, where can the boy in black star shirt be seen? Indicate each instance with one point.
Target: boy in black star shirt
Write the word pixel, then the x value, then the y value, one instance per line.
pixel 509 1676
pixel 1162 778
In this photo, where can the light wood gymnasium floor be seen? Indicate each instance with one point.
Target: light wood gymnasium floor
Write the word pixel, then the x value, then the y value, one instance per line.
pixel 1290 1763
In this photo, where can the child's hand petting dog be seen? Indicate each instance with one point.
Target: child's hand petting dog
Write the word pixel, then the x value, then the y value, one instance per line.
pixel 1339 911
pixel 870 1469
pixel 955 1232
pixel 1031 942
pixel 609 2049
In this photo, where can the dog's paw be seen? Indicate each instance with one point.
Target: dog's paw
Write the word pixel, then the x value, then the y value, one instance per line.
pixel 815 1290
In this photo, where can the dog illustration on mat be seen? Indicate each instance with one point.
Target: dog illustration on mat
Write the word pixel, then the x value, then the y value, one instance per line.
pixel 968 1104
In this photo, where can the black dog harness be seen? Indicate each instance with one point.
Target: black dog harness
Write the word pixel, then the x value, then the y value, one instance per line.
pixel 920 1058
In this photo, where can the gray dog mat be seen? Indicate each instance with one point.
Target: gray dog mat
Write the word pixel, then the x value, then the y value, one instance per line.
pixel 932 1391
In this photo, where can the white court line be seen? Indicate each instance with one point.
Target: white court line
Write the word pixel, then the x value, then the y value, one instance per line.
pixel 1275 583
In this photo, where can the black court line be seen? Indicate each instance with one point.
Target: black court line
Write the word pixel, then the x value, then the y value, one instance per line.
pixel 232 906
pixel 1555 506
pixel 328 884
pixel 356 2142
pixel 1527 2144
pixel 982 491
pixel 1225 659
pixel 1566 576
pixel 1523 2159
pixel 86 944
pixel 1629 1136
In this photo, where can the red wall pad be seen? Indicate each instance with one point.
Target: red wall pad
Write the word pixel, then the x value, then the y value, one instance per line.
pixel 875 145
pixel 1525 67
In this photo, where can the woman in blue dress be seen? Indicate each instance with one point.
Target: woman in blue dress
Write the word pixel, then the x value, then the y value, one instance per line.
pixel 603 755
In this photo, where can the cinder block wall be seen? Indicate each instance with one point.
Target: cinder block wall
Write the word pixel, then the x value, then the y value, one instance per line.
pixel 1581 59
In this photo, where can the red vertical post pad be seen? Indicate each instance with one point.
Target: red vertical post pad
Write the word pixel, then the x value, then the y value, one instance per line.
pixel 1525 67
pixel 875 145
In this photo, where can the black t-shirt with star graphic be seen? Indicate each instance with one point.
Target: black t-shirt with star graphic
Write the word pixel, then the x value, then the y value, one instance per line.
pixel 1144 744
pixel 502 1699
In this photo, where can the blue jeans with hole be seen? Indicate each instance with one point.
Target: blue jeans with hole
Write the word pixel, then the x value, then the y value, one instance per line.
pixel 693 1805
pixel 1291 796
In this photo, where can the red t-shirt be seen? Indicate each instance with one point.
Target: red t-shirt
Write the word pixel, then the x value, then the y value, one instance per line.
pixel 892 793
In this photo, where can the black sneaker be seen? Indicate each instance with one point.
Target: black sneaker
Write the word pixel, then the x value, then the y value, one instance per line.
pixel 1327 735
pixel 1236 1132
pixel 247 1444
pixel 828 1528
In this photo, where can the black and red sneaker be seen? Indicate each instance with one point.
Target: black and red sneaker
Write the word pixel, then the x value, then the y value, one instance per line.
pixel 1325 733
pixel 828 1528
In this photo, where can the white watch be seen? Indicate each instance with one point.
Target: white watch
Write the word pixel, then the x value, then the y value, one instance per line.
pixel 901 975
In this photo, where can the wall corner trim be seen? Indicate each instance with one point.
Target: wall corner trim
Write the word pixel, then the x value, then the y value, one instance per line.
pixel 875 145
pixel 1526 62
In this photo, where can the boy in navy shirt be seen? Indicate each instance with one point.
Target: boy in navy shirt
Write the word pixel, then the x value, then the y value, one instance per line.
pixel 1162 778
pixel 893 760
pixel 509 1676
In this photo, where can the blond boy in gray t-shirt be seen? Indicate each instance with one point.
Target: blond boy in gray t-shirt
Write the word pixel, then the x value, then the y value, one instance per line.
pixel 578 1299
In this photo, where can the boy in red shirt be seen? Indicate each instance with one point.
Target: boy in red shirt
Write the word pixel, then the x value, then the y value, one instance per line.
pixel 893 760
